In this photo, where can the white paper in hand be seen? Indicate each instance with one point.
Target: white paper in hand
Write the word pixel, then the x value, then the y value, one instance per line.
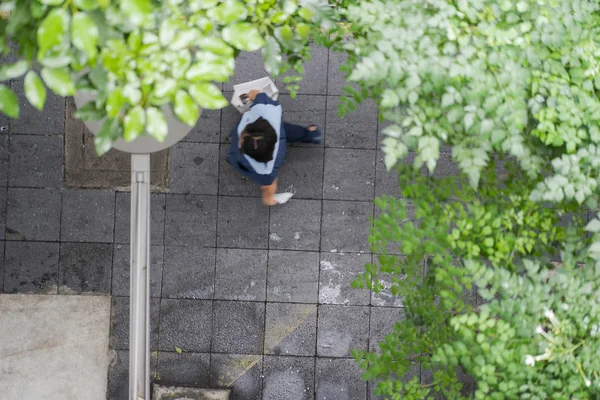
pixel 282 198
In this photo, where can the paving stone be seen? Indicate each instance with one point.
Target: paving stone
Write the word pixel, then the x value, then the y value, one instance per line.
pixel 4 125
pixel 185 369
pixel 336 79
pixel 339 379
pixel 414 370
pixel 49 121
pixel 238 327
pixel 382 324
pixel 191 220
pixel 242 223
pixel 346 226
pixel 302 169
pixel 315 73
pixel 248 67
pixel 446 167
pixel 85 268
pixel 2 244
pixel 349 174
pixel 207 129
pixel 293 276
pixel 384 297
pixel 3 157
pixel 33 214
pixel 123 218
pixel 36 161
pixel 122 266
pixel 118 377
pixel 3 201
pixel 291 329
pixel 356 130
pixel 31 267
pixel 186 324
pixel 337 273
pixel 119 325
pixel 386 182
pixel 242 373
pixel 230 117
pixel 341 329
pixel 241 275
pixel 304 110
pixel 194 168
pixel 295 225
pixel 189 273
pixel 290 378
pixel 87 215
pixel 231 182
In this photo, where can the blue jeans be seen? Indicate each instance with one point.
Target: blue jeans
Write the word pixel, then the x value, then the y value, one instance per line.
pixel 298 134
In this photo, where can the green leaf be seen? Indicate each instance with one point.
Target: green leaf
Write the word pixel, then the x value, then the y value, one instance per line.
pixel 134 123
pixel 227 12
pixel 90 112
pixel 9 104
pixel 59 81
pixel 35 91
pixel 215 45
pixel 111 130
pixel 196 5
pixel 53 29
pixel 244 36
pixel 272 56
pixel 84 34
pixel 210 68
pixel 52 2
pixel 138 11
pixel 11 71
pixel 303 30
pixel 167 31
pixel 593 226
pixel 86 5
pixel 178 350
pixel 185 108
pixel 156 124
pixel 98 76
pixel 306 14
pixel 208 96
pixel 114 103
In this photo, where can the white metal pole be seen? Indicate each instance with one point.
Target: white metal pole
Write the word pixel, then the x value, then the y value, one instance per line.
pixel 139 327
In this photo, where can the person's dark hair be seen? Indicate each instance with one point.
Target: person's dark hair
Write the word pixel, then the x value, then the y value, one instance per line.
pixel 258 140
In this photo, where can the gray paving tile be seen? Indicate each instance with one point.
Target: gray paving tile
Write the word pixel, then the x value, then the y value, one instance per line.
pixel 33 214
pixel 337 273
pixel 207 129
pixel 304 110
pixel 336 79
pixel 315 73
pixel 346 226
pixel 414 370
pixel 349 174
pixel 339 379
pixel 241 275
pixel 4 125
pixel 87 215
pixel 243 223
pixel 119 325
pixel 3 201
pixel 194 168
pixel 290 378
pixel 248 66
pixel 85 268
pixel 341 329
pixel 186 324
pixel 231 182
pixel 49 121
pixel 185 369
pixel 238 327
pixel 3 157
pixel 36 161
pixel 189 272
pixel 291 329
pixel 121 270
pixel 293 276
pixel 118 376
pixel 386 182
pixel 2 244
pixel 356 130
pixel 382 324
pixel 230 117
pixel 31 267
pixel 191 220
pixel 123 218
pixel 302 169
pixel 383 297
pixel 240 372
pixel 295 225
pixel 446 167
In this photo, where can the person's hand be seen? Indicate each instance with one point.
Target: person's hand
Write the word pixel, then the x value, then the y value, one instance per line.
pixel 252 94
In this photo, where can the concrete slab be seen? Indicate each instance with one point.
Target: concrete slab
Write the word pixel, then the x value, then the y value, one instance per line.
pixel 181 393
pixel 54 347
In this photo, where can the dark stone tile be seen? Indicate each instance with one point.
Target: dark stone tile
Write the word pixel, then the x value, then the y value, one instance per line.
pixel 383 320
pixel 241 275
pixel 49 121
pixel 230 117
pixel 87 215
pixel 302 169
pixel 194 168
pixel 315 73
pixel 3 157
pixel 446 167
pixel 185 369
pixel 238 327
pixel 123 218
pixel 356 130
pixel 189 273
pixel 33 214
pixel 207 129
pixel 349 174
pixel 122 269
pixel 346 226
pixel 3 201
pixel 386 182
pixel 231 182
pixel 191 220
pixel 336 79
pixel 339 379
pixel 337 273
pixel 243 223
pixel 341 329
pixel 290 378
pixel 186 324
pixel 85 268
pixel 242 373
pixel 2 244
pixel 36 161
pixel 304 110
pixel 248 67
pixel 295 225
pixel 31 267
pixel 119 325
pixel 291 329
pixel 293 276
pixel 118 377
